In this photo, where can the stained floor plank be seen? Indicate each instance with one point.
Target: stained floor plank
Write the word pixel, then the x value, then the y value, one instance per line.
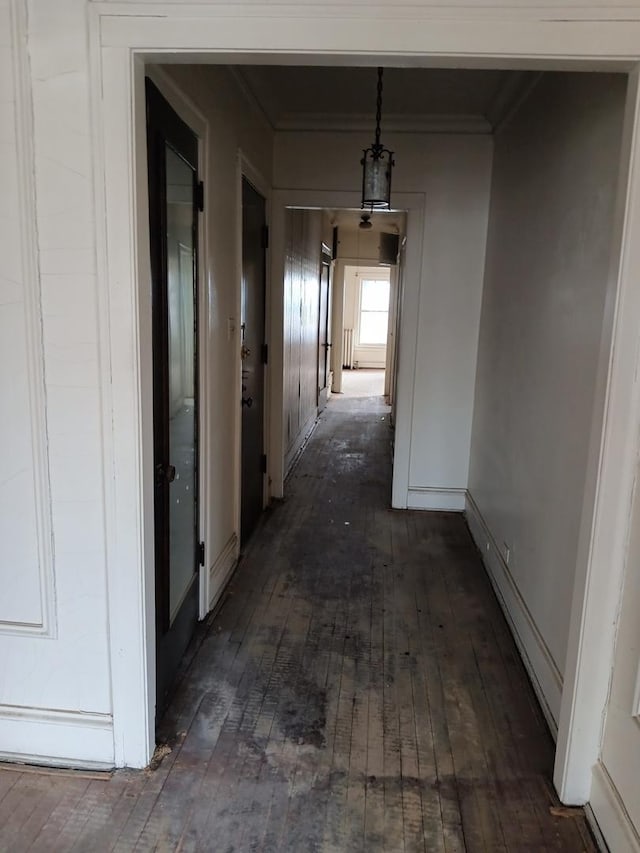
pixel 358 691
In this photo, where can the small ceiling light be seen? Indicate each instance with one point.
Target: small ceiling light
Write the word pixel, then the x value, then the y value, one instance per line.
pixel 377 163
pixel 365 222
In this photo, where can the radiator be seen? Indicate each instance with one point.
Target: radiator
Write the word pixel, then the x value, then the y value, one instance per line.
pixel 347 348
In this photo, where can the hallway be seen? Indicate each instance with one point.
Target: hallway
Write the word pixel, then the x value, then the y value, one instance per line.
pixel 357 690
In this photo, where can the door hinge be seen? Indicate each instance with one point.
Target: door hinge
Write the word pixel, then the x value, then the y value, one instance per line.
pixel 200 196
pixel 263 463
pixel 265 236
pixel 265 353
pixel 201 553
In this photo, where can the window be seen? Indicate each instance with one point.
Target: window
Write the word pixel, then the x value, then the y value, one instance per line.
pixel 374 312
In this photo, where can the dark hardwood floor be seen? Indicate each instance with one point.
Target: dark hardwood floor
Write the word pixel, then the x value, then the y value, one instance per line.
pixel 358 691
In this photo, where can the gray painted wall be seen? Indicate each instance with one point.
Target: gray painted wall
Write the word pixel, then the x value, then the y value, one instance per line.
pixel 552 196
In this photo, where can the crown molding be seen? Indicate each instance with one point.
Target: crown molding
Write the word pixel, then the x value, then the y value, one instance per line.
pixel 510 96
pixel 249 95
pixel 347 122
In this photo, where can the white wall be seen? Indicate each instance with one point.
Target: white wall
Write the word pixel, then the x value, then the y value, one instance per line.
pixel 454 174
pixel 553 191
pixel 55 698
pixel 55 676
pixel 233 126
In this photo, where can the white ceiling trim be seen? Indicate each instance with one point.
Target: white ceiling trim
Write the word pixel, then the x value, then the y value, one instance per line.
pixel 249 95
pixel 433 123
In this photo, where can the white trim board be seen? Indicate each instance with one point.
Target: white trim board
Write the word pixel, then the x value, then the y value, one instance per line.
pixel 488 36
pixel 601 844
pixel 543 672
pixel 425 497
pixel 82 739
pixel 222 569
pixel 292 455
pixel 607 809
pixel 44 623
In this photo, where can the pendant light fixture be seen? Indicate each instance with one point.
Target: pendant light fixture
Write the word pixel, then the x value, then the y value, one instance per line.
pixel 377 163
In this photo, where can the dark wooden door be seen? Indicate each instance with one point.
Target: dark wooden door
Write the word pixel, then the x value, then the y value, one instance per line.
pixel 173 183
pixel 253 356
pixel 324 328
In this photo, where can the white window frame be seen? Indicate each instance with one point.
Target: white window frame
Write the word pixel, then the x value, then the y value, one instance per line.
pixel 381 275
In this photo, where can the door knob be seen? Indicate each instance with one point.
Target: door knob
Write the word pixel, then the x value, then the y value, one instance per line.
pixel 248 402
pixel 245 352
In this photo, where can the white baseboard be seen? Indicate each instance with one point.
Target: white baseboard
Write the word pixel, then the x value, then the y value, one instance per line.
pixel 601 844
pixel 612 821
pixel 543 671
pixel 56 738
pixel 292 455
pixel 220 571
pixel 449 500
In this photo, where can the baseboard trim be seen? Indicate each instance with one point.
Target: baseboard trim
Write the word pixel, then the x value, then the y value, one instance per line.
pixel 222 569
pixel 601 844
pixel 56 761
pixel 293 454
pixel 611 819
pixel 541 667
pixel 447 500
pixel 56 738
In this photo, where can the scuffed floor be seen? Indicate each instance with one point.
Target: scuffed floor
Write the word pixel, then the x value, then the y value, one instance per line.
pixel 358 691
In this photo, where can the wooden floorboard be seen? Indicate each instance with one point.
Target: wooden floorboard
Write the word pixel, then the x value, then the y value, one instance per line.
pixel 358 690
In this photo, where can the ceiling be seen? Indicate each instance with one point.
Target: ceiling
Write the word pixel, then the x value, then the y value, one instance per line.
pixel 345 219
pixel 329 98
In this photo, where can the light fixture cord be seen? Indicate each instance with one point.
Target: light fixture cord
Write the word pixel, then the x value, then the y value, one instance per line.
pixel 379 108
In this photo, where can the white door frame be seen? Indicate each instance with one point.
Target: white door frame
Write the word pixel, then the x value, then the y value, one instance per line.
pixel 559 36
pixel 246 169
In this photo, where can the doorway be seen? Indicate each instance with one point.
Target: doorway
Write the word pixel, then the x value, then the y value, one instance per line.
pixel 366 277
pixel 324 327
pixel 410 315
pixel 366 330
pixel 173 220
pixel 254 357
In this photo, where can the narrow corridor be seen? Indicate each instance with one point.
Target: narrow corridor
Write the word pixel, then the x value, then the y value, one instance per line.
pixel 358 691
